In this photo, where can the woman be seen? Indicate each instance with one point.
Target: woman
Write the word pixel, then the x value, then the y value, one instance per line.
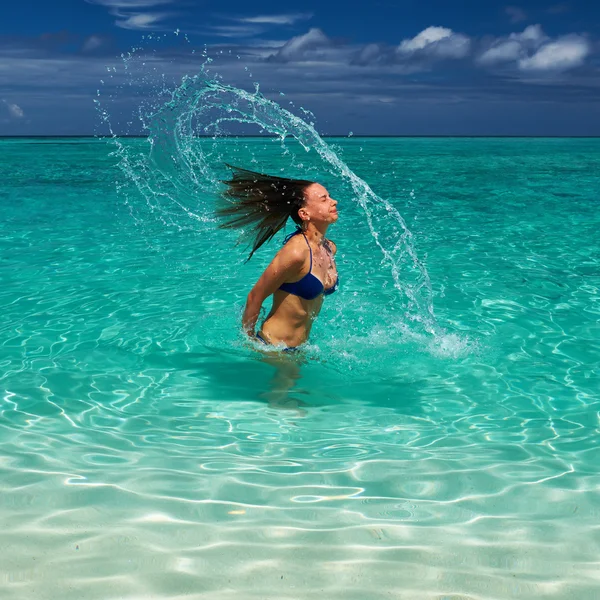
pixel 304 270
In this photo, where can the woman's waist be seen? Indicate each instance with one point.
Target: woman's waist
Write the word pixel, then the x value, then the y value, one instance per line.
pixel 290 332
pixel 294 313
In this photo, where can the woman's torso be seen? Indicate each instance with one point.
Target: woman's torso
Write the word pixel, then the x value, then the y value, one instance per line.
pixel 291 316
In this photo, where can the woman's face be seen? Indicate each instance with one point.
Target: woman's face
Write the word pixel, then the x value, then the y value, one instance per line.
pixel 319 206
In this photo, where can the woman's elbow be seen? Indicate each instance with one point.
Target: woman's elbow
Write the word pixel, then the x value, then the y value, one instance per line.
pixel 255 298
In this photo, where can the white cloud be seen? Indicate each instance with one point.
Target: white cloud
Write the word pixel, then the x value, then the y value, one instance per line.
pixel 140 20
pixel 412 55
pixel 128 12
pixel 234 31
pixel 438 42
pixel 533 50
pixel 298 47
pixel 14 109
pixel 253 26
pixel 92 43
pixel 272 44
pixel 370 54
pixel 425 38
pixel 513 47
pixel 506 51
pixel 533 33
pixel 288 19
pixel 565 53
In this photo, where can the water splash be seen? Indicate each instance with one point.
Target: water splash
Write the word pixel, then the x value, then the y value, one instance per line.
pixel 187 156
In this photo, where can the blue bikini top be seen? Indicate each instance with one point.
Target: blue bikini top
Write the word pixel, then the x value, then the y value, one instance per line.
pixel 310 286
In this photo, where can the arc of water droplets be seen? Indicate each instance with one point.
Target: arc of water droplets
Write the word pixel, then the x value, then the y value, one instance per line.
pixel 173 124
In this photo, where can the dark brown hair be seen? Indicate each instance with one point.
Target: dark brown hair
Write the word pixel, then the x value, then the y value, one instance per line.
pixel 262 201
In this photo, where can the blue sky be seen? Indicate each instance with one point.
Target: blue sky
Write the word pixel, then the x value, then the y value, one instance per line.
pixel 426 67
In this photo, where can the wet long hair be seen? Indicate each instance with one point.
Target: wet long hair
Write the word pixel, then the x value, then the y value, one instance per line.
pixel 263 202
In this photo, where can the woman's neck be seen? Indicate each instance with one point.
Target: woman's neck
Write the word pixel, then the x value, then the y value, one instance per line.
pixel 315 233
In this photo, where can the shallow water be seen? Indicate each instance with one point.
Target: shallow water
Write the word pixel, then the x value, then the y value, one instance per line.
pixel 149 452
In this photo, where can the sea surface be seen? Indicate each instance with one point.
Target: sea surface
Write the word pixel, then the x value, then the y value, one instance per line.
pixel 148 451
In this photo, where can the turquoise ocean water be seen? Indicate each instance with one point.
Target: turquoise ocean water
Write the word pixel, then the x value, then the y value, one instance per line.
pixel 147 451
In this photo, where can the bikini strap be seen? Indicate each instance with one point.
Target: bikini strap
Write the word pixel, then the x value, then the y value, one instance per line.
pixel 291 235
pixel 309 249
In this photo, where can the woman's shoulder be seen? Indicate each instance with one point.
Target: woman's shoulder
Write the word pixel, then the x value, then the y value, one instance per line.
pixel 295 250
pixel 331 245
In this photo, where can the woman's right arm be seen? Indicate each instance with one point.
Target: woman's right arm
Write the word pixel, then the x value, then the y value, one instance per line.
pixel 286 265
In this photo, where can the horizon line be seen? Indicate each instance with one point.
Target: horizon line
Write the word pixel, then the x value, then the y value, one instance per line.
pixel 104 137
